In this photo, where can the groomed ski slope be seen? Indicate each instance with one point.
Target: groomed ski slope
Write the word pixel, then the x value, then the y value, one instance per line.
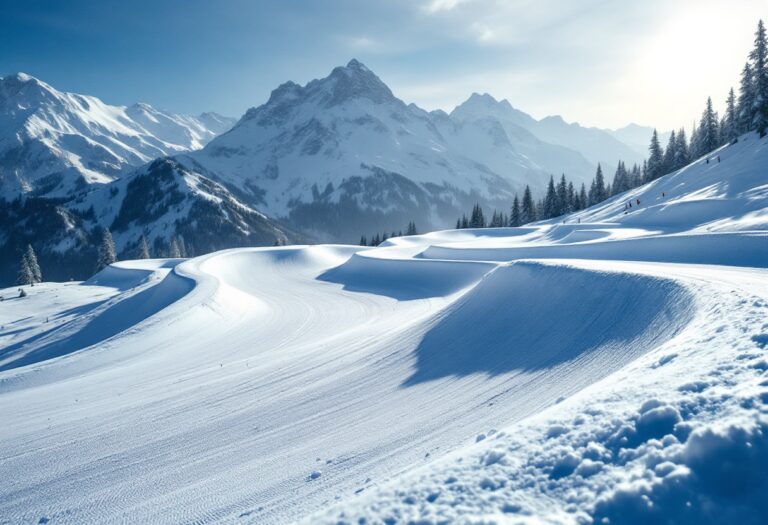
pixel 601 365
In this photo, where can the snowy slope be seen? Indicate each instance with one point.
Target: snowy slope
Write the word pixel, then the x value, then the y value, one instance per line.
pixel 53 142
pixel 722 191
pixel 341 384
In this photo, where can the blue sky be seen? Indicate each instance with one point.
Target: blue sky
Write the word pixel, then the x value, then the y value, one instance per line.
pixel 599 62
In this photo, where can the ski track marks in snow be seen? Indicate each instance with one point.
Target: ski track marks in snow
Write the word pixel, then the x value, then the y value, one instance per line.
pixel 265 385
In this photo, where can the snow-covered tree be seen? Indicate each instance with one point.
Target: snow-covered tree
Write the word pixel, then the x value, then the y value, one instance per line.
pixel 583 201
pixel 746 100
pixel 759 57
pixel 143 248
pixel 175 250
pixel 106 253
pixel 34 267
pixel 25 275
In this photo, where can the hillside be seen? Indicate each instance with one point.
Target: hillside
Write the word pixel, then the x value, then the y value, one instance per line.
pixel 54 143
pixel 343 155
pixel 574 371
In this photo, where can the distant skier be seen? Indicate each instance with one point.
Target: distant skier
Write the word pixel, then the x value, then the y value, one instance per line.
pixel 663 194
pixel 638 202
pixel 707 160
pixel 718 159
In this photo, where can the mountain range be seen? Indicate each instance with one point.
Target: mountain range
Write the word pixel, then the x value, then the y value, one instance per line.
pixel 339 157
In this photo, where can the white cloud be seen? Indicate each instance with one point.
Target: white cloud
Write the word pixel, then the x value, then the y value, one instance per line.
pixel 435 6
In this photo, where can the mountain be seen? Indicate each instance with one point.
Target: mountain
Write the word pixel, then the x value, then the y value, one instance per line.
pixel 162 201
pixel 54 143
pixel 342 156
pixel 638 137
pixel 332 160
pixel 595 145
pixel 482 116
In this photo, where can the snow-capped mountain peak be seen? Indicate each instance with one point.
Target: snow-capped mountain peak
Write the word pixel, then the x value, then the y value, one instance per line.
pixel 53 142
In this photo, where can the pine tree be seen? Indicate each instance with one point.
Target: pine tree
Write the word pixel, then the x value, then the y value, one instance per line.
pixel 25 275
pixel 528 212
pixel 550 200
pixel 746 100
pixel 477 220
pixel 562 196
pixel 107 254
pixel 363 241
pixel 143 248
pixel 728 131
pixel 670 153
pixel 34 267
pixel 759 57
pixel 464 222
pixel 583 202
pixel 621 181
pixel 514 216
pixel 411 229
pixel 597 191
pixel 175 250
pixel 708 130
pixel 682 155
pixel 655 159
pixel 182 246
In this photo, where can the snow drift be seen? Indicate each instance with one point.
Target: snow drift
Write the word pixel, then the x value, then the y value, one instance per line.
pixel 437 378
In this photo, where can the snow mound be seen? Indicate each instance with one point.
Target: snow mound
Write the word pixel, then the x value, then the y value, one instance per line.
pixel 586 372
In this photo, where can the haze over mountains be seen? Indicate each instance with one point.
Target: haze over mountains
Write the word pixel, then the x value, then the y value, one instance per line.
pixel 327 161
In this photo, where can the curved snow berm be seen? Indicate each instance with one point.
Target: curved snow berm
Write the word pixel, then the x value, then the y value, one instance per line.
pixel 589 323
pixel 329 390
pixel 130 295
pixel 260 385
pixel 726 248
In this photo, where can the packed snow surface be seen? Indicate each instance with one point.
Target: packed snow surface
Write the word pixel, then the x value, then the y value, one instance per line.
pixel 611 369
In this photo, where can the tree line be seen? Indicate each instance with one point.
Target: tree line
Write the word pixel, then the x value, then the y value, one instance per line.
pixel 30 273
pixel 743 113
pixel 377 239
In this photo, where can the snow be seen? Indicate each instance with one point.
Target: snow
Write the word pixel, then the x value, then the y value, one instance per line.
pixel 349 125
pixel 81 135
pixel 611 370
